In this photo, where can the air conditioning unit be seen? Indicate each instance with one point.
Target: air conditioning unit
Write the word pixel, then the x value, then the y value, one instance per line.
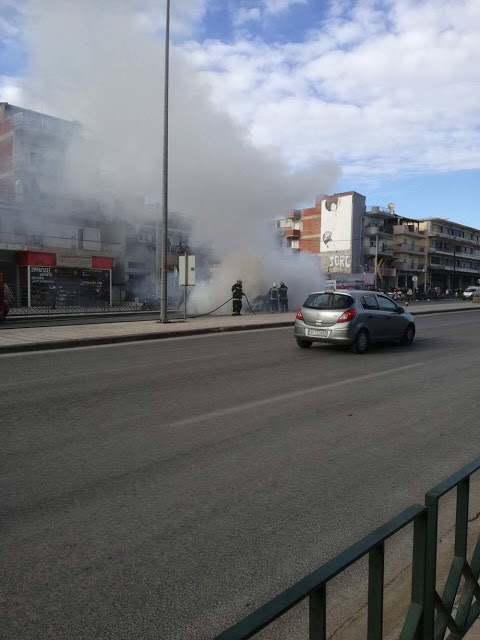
pixel 375 209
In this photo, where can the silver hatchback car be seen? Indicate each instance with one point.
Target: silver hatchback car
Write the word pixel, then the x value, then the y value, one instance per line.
pixel 352 318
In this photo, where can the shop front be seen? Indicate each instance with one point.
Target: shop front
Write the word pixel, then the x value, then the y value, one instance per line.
pixel 55 280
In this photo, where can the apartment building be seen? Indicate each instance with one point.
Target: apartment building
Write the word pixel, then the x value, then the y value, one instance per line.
pixel 52 249
pixel 379 246
pixel 452 254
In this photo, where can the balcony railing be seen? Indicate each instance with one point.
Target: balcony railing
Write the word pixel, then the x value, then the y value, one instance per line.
pixel 43 123
pixel 410 248
pixel 383 250
pixel 39 165
pixel 292 233
pixel 407 265
pixel 7 196
pixel 25 241
pixel 405 229
pixel 373 230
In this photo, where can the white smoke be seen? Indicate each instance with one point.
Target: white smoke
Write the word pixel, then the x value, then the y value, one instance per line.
pixel 95 62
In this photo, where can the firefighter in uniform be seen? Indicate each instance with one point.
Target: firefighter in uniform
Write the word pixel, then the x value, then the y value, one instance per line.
pixel 283 297
pixel 273 295
pixel 237 294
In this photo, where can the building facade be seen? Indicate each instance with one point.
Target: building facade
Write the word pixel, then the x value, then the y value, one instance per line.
pixel 383 249
pixel 62 249
pixel 453 254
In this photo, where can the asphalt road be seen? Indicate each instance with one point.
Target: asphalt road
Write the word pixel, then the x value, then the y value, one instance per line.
pixel 165 489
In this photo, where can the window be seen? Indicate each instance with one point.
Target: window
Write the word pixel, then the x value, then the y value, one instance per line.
pixel 328 301
pixel 369 302
pixel 386 304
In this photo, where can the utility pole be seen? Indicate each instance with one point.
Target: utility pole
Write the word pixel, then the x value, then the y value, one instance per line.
pixel 157 252
pixel 163 304
pixel 376 263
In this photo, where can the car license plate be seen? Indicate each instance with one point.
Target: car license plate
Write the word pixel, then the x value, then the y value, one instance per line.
pixel 319 333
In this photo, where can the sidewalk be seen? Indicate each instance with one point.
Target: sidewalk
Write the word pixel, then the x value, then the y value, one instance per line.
pixel 60 337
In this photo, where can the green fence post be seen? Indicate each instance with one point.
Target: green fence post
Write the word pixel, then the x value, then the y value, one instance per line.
pixel 376 559
pixel 431 503
pixel 317 614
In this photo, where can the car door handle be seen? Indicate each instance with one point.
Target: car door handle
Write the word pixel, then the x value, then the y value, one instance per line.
pixel 370 315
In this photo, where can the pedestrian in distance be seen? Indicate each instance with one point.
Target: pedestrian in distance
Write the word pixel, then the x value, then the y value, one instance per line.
pixel 237 295
pixel 273 297
pixel 283 297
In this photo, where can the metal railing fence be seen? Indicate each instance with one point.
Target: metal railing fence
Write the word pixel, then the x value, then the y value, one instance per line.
pixel 429 614
pixel 438 615
pixel 59 310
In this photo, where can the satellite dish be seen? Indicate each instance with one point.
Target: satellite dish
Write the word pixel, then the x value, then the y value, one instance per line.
pixel 391 206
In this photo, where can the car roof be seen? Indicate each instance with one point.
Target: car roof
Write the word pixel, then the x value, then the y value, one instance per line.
pixel 347 292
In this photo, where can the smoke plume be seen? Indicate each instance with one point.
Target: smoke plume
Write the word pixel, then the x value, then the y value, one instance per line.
pixel 96 62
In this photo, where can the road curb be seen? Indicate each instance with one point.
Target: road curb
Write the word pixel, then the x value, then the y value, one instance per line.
pixel 89 342
pixel 431 312
pixel 152 335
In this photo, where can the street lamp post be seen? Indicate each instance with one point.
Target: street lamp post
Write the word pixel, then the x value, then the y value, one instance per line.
pixel 164 271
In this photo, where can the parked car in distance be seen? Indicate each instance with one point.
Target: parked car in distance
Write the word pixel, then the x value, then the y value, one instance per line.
pixel 470 292
pixel 352 318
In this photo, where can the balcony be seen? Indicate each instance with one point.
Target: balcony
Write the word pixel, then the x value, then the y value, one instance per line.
pixel 292 233
pixel 405 229
pixel 7 196
pixel 410 248
pixel 374 230
pixel 27 241
pixel 458 239
pixel 462 255
pixel 407 265
pixel 44 124
pixel 383 250
pixel 384 271
pixel 449 267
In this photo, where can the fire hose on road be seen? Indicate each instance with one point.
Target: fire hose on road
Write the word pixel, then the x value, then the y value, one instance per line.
pixel 200 315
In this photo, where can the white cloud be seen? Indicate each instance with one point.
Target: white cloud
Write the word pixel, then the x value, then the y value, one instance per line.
pixel 382 89
pixel 245 15
pixel 276 6
pixel 10 90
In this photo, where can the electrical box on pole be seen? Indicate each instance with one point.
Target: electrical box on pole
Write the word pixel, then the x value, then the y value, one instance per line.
pixel 186 277
pixel 186 271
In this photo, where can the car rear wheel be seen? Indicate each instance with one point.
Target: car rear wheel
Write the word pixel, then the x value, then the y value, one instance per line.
pixel 304 344
pixel 408 336
pixel 360 344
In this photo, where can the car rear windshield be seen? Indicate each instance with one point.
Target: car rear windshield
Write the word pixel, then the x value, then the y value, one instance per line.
pixel 328 301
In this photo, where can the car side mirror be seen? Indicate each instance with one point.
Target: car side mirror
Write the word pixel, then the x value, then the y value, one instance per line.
pixel 400 310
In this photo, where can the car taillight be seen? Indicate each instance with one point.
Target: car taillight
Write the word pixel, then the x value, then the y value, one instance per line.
pixel 299 315
pixel 347 316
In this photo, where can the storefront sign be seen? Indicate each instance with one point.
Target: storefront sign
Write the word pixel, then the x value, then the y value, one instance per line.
pixel 57 287
pixel 81 262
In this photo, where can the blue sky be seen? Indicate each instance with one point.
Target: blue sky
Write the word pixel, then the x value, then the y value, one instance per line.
pixel 387 90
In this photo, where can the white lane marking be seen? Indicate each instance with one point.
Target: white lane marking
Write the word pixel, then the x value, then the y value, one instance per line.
pixel 121 369
pixel 287 396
